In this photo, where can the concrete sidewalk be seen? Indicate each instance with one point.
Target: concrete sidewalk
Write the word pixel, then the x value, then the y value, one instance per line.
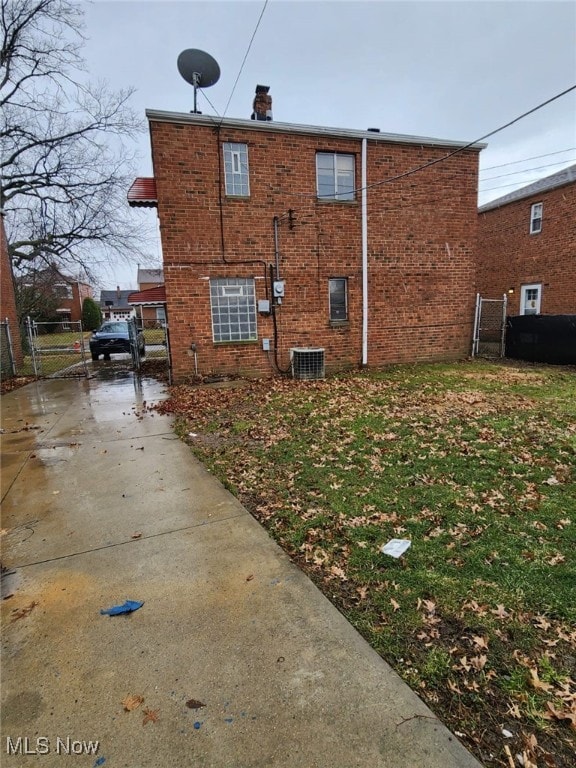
pixel 227 619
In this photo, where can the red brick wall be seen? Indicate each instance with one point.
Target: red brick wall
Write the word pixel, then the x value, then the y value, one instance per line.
pixel 509 256
pixel 422 233
pixel 80 291
pixel 7 298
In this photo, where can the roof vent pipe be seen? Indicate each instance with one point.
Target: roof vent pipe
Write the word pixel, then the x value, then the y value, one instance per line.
pixel 373 130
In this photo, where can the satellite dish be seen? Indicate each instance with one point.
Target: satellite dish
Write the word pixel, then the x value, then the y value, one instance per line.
pixel 199 69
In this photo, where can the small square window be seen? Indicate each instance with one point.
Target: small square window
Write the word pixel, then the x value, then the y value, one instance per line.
pixel 536 218
pixel 338 299
pixel 236 176
pixel 335 176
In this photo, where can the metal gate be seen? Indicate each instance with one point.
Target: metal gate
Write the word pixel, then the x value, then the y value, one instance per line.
pixel 157 347
pixel 489 327
pixel 55 349
pixel 7 361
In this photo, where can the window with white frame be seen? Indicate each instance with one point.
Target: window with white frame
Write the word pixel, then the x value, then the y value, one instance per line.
pixel 335 176
pixel 236 169
pixel 536 218
pixel 338 298
pixel 233 301
pixel 530 299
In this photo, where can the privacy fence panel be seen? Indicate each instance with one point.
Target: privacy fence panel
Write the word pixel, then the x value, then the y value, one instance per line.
pixel 542 338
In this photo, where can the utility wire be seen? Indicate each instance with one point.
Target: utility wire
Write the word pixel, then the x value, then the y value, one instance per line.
pixel 244 60
pixel 525 160
pixel 444 157
pixel 525 170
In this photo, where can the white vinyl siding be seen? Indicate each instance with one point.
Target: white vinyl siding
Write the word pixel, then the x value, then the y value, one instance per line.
pixel 233 301
pixel 236 174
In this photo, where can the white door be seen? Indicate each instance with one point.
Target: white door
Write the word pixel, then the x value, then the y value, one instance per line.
pixel 530 298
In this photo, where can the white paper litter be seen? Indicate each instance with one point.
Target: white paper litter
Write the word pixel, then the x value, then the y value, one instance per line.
pixel 395 547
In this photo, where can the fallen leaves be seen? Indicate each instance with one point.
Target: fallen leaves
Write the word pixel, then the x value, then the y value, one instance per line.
pixel 21 613
pixel 194 704
pixel 150 716
pixel 131 703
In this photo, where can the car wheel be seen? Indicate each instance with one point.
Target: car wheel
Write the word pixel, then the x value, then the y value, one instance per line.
pixel 95 356
pixel 107 357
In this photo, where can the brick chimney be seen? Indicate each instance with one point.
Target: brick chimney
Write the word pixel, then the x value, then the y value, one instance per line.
pixel 262 105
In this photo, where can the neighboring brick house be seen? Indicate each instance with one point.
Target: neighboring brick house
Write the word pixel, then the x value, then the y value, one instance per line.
pixel 8 304
pixel 66 294
pixel 269 243
pixel 527 247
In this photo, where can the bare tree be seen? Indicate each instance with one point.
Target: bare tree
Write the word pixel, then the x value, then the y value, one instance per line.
pixel 64 161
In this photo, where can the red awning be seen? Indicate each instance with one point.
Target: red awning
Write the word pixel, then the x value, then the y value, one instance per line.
pixel 149 296
pixel 142 193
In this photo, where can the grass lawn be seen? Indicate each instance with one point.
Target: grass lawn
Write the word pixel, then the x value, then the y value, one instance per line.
pixel 475 464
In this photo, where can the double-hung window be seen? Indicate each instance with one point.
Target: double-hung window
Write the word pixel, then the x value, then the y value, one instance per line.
pixel 338 298
pixel 335 176
pixel 536 218
pixel 236 169
pixel 233 302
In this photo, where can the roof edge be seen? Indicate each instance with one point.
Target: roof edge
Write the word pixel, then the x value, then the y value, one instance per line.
pixel 154 115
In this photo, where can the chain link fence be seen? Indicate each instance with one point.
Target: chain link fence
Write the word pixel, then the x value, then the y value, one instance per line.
pixel 7 358
pixel 55 349
pixel 489 327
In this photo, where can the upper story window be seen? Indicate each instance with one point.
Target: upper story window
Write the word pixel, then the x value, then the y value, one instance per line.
pixel 335 176
pixel 338 298
pixel 536 218
pixel 236 169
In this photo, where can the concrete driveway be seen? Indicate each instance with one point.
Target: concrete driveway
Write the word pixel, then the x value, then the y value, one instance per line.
pixel 101 503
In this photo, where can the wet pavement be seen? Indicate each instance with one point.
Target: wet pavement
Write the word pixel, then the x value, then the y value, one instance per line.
pixel 102 503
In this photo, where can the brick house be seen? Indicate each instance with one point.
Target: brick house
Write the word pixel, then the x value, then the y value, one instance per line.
pixel 278 236
pixel 65 293
pixel 527 247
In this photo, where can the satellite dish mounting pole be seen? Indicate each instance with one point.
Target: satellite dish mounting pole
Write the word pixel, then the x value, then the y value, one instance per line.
pixel 196 82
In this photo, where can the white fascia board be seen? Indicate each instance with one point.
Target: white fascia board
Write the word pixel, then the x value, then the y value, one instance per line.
pixel 313 130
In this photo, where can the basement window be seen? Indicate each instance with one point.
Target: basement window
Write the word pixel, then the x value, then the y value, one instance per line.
pixel 233 302
pixel 536 218
pixel 335 176
pixel 236 169
pixel 338 299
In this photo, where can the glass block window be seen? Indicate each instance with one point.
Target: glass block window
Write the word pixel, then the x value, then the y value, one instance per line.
pixel 338 294
pixel 536 218
pixel 236 169
pixel 233 301
pixel 335 176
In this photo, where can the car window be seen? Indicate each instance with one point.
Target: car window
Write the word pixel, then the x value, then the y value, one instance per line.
pixel 114 328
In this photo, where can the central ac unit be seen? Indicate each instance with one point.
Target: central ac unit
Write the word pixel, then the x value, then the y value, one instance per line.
pixel 307 363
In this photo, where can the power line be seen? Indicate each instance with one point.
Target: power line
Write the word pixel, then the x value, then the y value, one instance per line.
pixel 450 154
pixel 525 160
pixel 520 184
pixel 244 60
pixel 525 170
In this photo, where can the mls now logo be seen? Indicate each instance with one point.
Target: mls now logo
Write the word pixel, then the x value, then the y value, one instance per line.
pixel 42 745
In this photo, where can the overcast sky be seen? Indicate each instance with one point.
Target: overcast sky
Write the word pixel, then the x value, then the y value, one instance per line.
pixel 453 70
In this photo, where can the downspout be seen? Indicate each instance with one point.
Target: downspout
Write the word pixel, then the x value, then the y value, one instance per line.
pixel 364 257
